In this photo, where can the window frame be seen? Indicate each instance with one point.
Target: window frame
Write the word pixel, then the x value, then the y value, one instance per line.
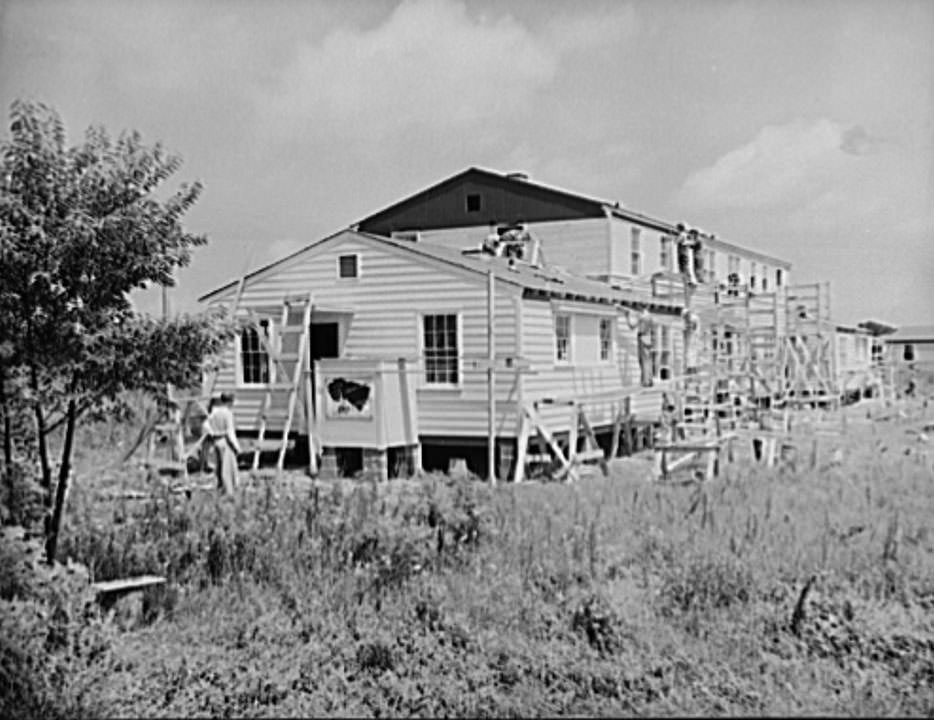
pixel 610 324
pixel 665 254
pixel 356 259
pixel 635 251
pixel 569 344
pixel 663 351
pixel 424 380
pixel 468 198
pixel 260 352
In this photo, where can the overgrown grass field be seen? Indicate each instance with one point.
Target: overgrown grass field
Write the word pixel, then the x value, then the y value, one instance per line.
pixel 765 591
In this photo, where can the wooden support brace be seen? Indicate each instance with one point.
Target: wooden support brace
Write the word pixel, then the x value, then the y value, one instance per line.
pixel 593 446
pixel 617 429
pixel 521 447
pixel 566 469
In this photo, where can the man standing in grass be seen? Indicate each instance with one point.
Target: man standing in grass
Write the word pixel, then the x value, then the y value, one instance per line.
pixel 221 428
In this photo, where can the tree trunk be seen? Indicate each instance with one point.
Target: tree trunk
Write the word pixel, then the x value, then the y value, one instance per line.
pixel 61 488
pixel 46 468
pixel 44 454
pixel 7 423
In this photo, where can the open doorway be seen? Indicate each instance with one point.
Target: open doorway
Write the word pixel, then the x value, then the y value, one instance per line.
pixel 324 340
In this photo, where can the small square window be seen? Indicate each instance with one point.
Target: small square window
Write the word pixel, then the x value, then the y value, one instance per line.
pixel 348 266
pixel 473 202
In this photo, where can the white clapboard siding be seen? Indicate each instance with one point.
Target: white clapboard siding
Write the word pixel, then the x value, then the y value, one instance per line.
pixel 852 359
pixel 393 290
pixel 552 380
pixel 621 233
pixel 396 287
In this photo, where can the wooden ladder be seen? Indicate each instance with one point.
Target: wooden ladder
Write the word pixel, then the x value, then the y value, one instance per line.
pixel 289 361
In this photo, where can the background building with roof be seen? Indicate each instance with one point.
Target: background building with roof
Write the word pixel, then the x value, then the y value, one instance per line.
pixel 912 346
pixel 585 235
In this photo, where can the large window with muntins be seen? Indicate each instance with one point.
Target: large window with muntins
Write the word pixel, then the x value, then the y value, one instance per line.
pixel 562 338
pixel 254 360
pixel 440 346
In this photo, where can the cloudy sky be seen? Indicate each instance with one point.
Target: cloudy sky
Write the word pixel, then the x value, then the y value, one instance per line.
pixel 804 129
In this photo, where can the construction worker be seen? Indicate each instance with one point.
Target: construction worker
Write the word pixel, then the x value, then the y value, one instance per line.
pixel 221 427
pixel 688 252
pixel 691 324
pixel 645 332
pixel 491 241
pixel 698 259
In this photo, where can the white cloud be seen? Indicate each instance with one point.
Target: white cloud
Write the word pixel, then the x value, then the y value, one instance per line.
pixel 430 65
pixel 781 164
pixel 577 31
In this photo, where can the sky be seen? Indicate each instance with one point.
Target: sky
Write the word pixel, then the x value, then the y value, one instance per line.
pixel 801 129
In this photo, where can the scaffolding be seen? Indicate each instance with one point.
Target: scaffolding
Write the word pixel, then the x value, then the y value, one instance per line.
pixel 808 357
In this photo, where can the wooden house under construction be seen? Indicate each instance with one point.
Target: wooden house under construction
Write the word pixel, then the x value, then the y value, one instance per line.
pixel 487 310
pixel 409 321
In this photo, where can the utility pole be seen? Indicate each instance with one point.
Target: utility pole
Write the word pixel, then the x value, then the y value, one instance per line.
pixel 491 377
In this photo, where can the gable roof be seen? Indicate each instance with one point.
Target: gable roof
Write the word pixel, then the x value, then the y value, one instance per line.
pixel 546 202
pixel 534 282
pixel 565 204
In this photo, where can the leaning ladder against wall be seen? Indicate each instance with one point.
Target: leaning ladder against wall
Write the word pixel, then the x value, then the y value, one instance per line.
pixel 288 359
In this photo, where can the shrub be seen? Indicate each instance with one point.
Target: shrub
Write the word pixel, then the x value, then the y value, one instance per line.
pixel 21 497
pixel 703 582
pixel 51 637
pixel 595 620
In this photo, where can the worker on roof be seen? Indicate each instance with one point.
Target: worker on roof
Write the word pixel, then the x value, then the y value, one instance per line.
pixel 221 428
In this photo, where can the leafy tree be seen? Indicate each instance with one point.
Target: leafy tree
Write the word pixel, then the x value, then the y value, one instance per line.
pixel 80 228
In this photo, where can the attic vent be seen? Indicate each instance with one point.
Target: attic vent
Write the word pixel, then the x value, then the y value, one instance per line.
pixel 517 176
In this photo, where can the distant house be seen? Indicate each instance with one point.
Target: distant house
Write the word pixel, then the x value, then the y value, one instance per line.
pixel 379 299
pixel 853 359
pixel 912 346
pixel 585 235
